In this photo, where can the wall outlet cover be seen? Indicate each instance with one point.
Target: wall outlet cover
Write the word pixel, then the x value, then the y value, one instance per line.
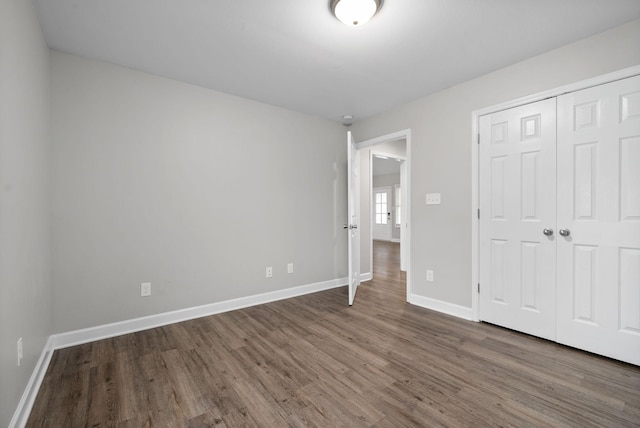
pixel 19 349
pixel 429 275
pixel 433 198
pixel 145 289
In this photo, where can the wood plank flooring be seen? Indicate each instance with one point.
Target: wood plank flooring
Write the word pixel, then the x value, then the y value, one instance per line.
pixel 314 361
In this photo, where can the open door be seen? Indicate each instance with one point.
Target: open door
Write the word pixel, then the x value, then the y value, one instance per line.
pixel 353 173
pixel 404 248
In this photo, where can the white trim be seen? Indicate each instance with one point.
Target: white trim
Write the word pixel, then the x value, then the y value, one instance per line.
pixel 399 135
pixel 78 337
pixel 397 190
pixel 561 90
pixel 105 331
pixel 396 240
pixel 21 414
pixel 475 116
pixel 475 221
pixel 387 154
pixel 394 136
pixel 366 276
pixel 441 306
pixel 371 210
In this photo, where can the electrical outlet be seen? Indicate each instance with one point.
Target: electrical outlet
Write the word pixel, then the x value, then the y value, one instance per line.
pixel 290 268
pixel 20 355
pixel 429 275
pixel 145 289
pixel 433 198
pixel 269 272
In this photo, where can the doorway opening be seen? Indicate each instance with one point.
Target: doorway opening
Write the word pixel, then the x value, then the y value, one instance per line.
pixel 385 237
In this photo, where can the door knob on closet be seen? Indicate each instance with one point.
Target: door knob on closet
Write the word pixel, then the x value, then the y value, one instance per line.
pixel 547 231
pixel 564 232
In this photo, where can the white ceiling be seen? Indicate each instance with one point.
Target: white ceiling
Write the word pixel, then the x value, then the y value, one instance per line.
pixel 295 54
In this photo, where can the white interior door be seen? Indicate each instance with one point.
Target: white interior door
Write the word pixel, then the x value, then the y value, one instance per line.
pixel 381 209
pixel 599 212
pixel 353 174
pixel 403 217
pixel 517 159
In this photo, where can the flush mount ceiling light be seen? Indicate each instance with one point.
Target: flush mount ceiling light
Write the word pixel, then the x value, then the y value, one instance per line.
pixel 355 13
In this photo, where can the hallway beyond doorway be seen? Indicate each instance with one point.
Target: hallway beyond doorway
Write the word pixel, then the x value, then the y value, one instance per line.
pixel 386 270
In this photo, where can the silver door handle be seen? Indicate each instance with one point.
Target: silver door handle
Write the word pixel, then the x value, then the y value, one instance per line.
pixel 351 226
pixel 564 232
pixel 548 232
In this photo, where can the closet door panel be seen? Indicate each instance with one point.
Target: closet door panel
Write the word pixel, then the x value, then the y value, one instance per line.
pixel 517 202
pixel 598 307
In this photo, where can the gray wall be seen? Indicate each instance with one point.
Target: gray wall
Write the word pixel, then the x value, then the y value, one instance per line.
pixel 197 191
pixel 441 149
pixel 25 208
pixel 192 190
pixel 389 180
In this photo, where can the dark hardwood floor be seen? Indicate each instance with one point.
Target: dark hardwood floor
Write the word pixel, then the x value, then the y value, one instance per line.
pixel 314 361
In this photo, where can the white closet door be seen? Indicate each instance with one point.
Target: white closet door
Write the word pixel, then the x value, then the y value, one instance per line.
pixel 517 203
pixel 599 206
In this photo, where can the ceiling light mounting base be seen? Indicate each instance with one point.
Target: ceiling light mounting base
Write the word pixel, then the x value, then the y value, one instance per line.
pixel 355 13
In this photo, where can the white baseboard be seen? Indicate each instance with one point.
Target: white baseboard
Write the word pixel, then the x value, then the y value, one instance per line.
pixel 440 306
pixel 366 276
pixel 21 415
pixel 77 337
pixel 396 240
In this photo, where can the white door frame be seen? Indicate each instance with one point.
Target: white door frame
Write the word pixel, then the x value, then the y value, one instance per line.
pixel 406 135
pixel 475 197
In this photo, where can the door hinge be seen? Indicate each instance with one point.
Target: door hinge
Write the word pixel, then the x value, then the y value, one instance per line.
pixel 478 212
pixel 478 138
pixel 478 288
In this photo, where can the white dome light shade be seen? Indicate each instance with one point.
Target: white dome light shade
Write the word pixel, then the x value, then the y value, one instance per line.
pixel 355 13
